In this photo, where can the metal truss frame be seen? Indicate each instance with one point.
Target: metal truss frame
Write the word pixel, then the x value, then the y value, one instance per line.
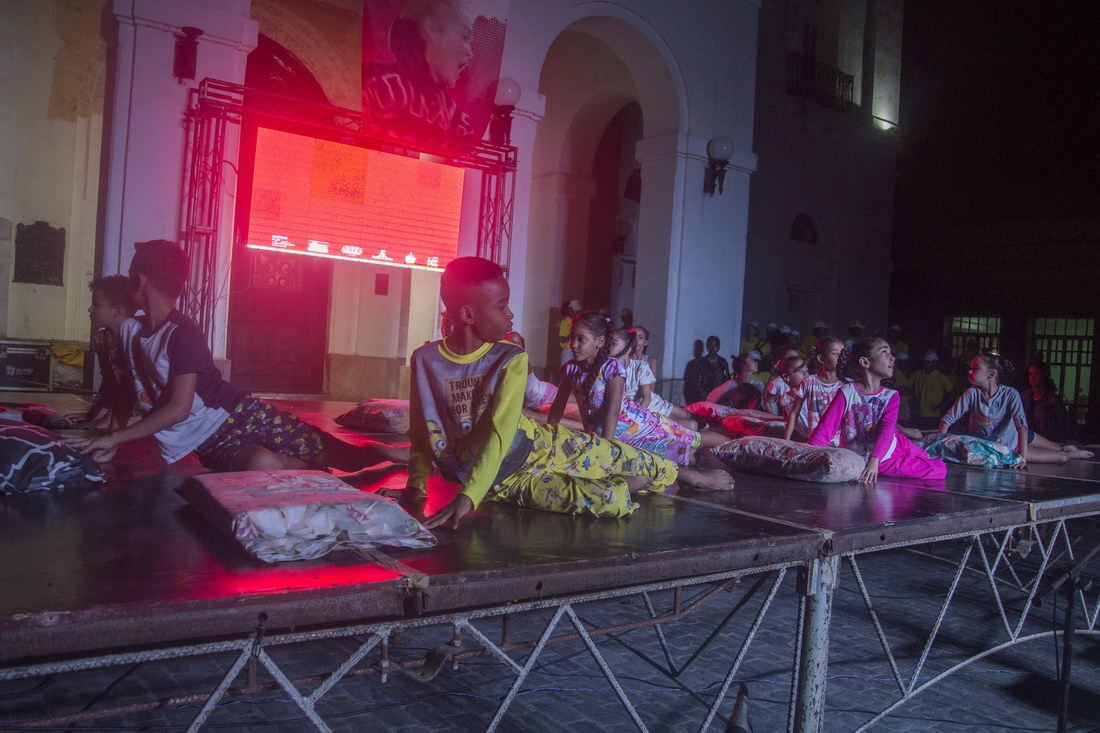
pixel 216 106
pixel 991 555
pixel 252 650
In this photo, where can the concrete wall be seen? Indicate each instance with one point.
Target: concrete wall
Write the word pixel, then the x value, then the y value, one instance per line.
pixel 691 67
pixel 838 169
pixel 579 65
pixel 52 67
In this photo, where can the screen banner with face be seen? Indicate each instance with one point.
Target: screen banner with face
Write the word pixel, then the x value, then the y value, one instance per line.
pixel 430 69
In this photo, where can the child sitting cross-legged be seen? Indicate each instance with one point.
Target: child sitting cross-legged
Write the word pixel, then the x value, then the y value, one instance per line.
pixel 598 379
pixel 865 414
pixel 187 406
pixel 465 417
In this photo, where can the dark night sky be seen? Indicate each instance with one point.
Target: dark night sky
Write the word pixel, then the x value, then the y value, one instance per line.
pixel 998 115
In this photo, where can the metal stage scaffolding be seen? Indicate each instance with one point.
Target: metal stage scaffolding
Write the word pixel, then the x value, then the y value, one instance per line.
pixel 146 579
pixel 214 118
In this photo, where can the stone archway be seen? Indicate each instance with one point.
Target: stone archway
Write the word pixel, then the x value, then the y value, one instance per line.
pixel 593 69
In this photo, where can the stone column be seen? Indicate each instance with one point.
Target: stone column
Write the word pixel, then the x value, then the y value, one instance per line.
pixel 145 134
pixel 686 240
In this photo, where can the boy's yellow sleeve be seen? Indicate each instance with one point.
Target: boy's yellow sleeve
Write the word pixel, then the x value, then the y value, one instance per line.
pixel 505 409
pixel 420 454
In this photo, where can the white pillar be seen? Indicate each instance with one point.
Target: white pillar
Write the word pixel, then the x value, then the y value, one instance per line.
pixel 146 136
pixel 691 248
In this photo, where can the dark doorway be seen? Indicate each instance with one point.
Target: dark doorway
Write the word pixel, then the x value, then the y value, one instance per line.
pixel 278 309
pixel 611 254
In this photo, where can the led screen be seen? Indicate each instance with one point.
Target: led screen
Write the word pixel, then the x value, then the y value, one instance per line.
pixel 316 197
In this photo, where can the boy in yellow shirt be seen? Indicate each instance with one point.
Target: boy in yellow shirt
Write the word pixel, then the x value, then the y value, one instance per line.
pixel 465 417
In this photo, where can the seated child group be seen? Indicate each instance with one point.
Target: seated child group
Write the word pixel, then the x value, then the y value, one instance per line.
pixel 586 445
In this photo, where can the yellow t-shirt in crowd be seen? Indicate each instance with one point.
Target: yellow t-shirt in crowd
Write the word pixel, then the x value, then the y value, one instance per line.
pixel 904 386
pixel 930 387
pixel 563 332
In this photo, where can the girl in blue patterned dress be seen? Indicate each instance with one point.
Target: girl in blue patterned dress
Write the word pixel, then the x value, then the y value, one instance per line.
pixel 994 411
pixel 598 380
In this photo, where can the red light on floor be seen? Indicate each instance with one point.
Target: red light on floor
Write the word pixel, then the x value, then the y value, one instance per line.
pixel 326 199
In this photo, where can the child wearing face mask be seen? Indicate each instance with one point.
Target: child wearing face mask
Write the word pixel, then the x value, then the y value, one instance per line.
pixel 864 415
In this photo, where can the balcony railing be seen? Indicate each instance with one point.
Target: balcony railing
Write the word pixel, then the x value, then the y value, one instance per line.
pixel 821 83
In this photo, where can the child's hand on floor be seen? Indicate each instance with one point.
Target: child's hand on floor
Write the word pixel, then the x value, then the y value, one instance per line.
pixel 870 472
pixel 459 507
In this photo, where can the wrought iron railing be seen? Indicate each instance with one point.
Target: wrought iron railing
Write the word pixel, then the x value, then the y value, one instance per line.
pixel 827 85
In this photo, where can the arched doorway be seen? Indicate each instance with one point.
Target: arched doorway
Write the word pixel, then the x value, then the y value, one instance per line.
pixel 612 253
pixel 607 89
pixel 278 307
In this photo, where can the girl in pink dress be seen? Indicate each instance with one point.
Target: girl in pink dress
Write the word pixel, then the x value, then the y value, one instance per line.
pixel 865 414
pixel 598 380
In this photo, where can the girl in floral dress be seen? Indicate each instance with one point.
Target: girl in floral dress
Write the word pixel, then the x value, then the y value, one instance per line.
pixel 598 380
pixel 864 415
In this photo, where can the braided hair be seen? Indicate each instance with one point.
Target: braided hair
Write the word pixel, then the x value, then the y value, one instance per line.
pixel 817 355
pixel 629 337
pixel 1004 368
pixel 860 349
pixel 597 324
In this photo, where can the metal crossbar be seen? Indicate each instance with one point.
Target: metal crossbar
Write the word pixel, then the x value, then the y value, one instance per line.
pixel 253 649
pixel 1046 537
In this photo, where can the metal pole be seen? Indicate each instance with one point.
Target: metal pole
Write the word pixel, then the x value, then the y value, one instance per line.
pixel 820 582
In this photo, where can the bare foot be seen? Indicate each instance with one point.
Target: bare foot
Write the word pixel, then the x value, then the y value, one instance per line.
pixel 394 493
pixel 637 483
pixel 712 479
pixel 1078 454
pixel 394 453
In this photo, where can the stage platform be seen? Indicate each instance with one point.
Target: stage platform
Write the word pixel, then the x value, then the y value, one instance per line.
pixel 129 565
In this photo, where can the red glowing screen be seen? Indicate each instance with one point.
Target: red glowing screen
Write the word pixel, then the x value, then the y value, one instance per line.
pixel 326 199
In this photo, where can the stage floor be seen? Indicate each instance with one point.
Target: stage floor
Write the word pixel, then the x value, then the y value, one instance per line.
pixel 129 564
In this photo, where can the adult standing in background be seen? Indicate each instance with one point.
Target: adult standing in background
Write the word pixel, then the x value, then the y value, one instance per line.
pixel 931 388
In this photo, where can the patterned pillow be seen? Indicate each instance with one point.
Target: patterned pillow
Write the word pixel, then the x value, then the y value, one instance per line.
pixel 378 416
pixel 31 459
pixel 300 515
pixel 969 450
pixel 738 423
pixel 786 458
pixel 33 413
pixel 709 410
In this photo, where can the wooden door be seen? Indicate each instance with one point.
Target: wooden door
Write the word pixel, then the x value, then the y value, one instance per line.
pixel 278 321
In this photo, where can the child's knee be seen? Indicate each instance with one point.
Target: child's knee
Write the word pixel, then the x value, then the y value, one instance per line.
pixel 258 458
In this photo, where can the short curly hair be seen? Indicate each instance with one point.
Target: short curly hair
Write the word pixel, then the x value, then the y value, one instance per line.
pixel 164 263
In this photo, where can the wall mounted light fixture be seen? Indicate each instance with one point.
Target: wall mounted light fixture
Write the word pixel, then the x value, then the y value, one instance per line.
pixel 500 126
pixel 719 151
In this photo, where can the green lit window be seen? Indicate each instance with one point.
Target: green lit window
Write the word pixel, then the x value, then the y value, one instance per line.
pixel 1067 344
pixel 972 335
